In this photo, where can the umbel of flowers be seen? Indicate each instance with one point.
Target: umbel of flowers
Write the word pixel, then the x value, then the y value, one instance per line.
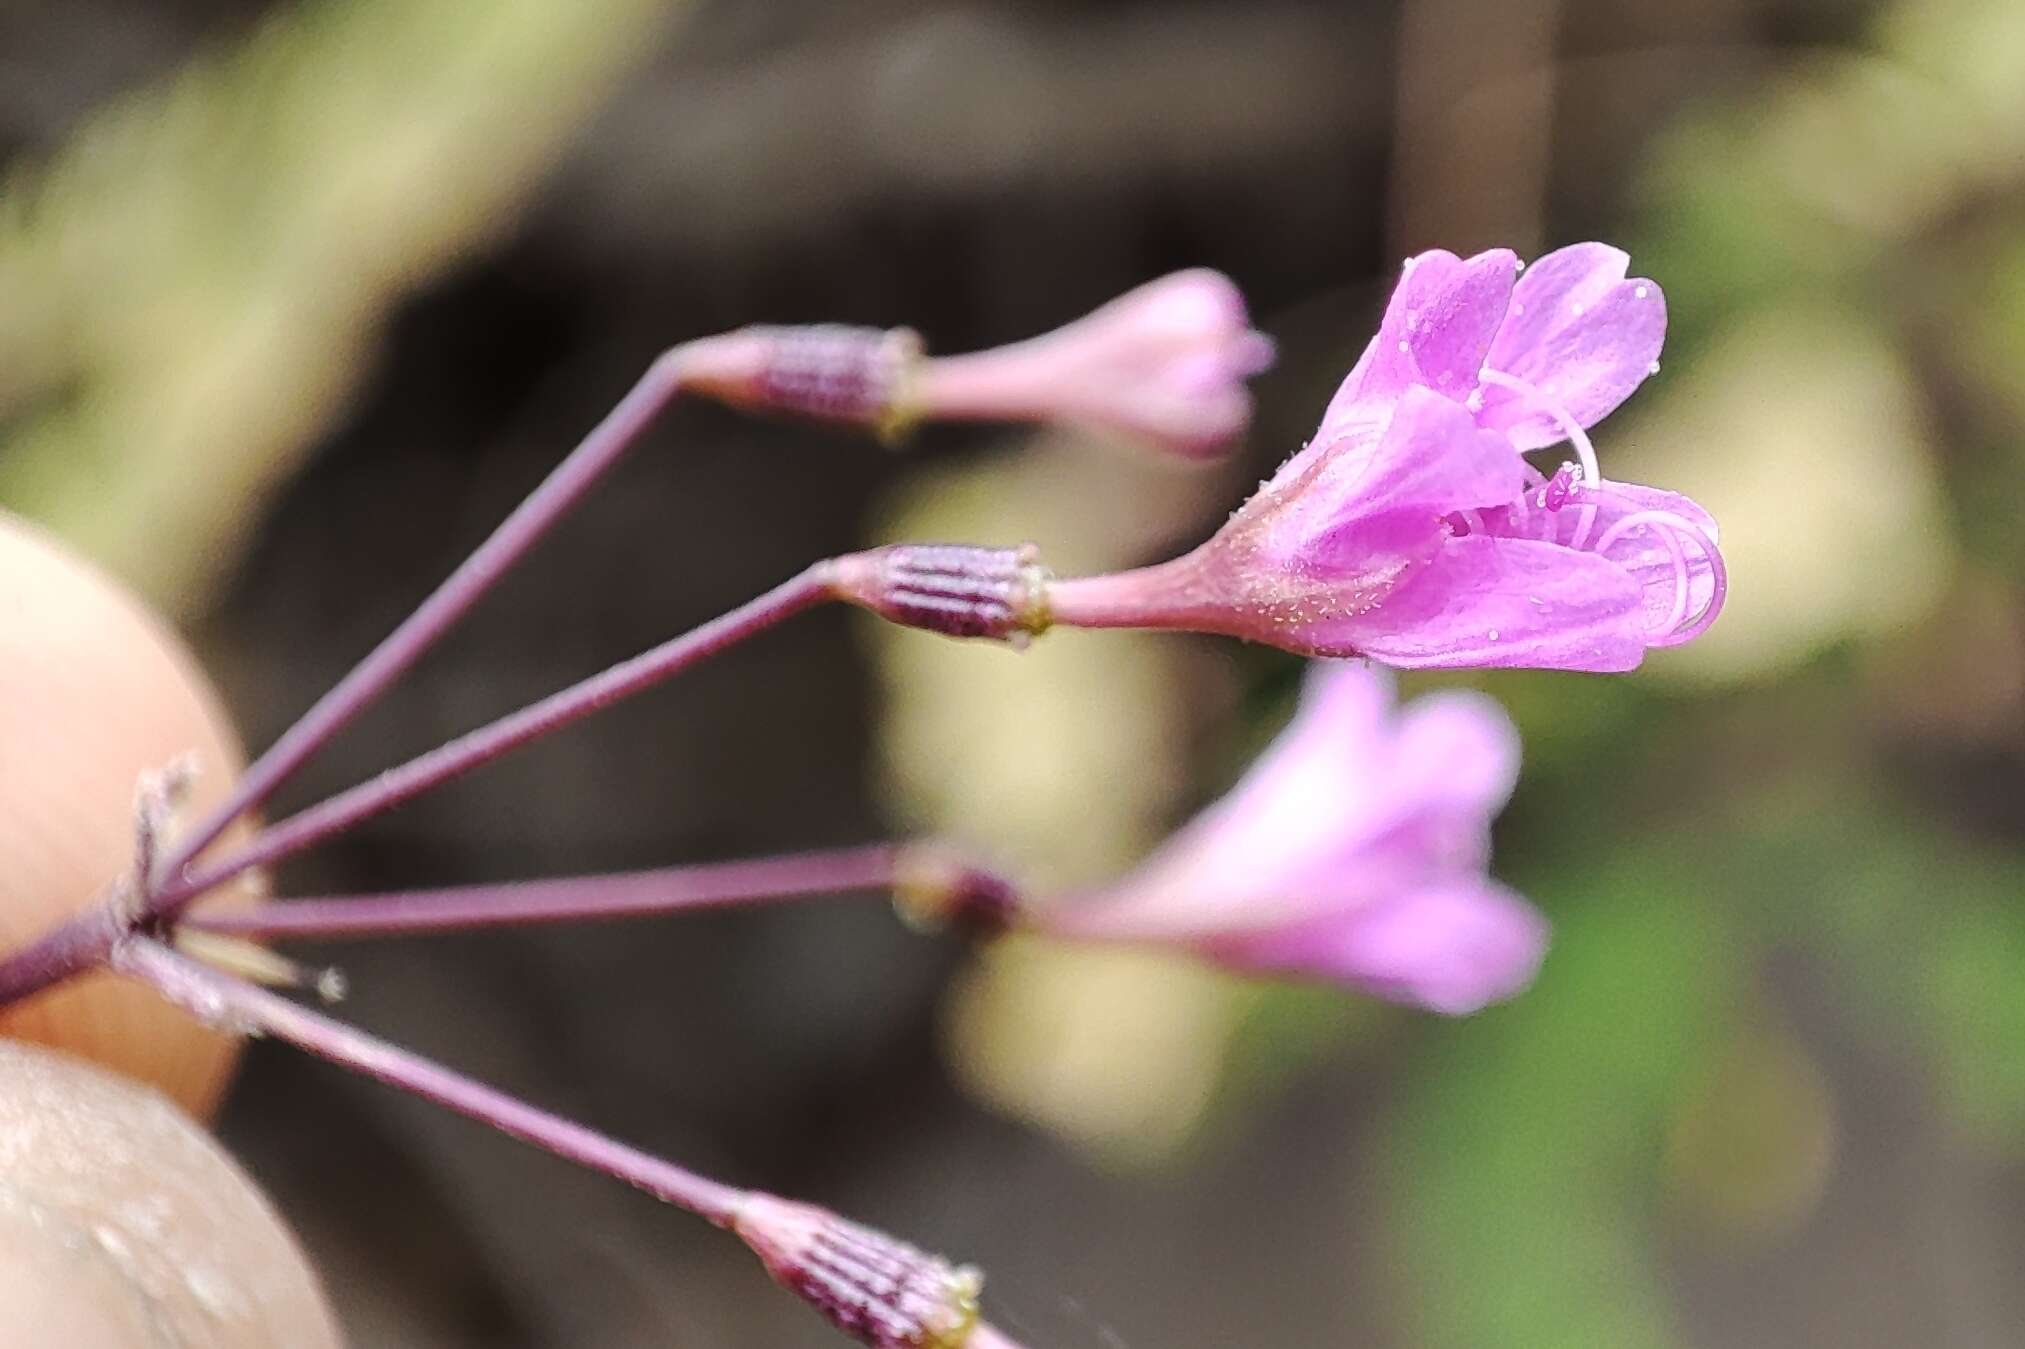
pixel 1410 531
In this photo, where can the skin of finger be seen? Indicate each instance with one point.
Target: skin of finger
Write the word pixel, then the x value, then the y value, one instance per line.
pixel 123 1224
pixel 95 692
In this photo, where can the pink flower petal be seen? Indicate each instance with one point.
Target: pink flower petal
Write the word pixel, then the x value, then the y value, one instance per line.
pixel 1454 946
pixel 1381 510
pixel 1437 331
pixel 1457 750
pixel 1502 603
pixel 1581 333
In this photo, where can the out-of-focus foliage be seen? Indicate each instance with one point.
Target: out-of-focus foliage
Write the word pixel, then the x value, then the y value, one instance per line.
pixel 194 285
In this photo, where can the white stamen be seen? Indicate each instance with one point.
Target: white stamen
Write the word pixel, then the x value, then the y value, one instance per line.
pixel 1672 529
pixel 1592 473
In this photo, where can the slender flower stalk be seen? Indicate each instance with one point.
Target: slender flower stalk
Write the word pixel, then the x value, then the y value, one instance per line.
pixel 667 890
pixel 87 939
pixel 233 1005
pixel 880 1291
pixel 567 485
pixel 475 748
pixel 933 887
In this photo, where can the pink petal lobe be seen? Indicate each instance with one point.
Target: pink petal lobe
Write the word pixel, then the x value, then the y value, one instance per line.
pixel 1437 331
pixel 1454 946
pixel 1456 751
pixel 1389 502
pixel 1582 333
pixel 1503 603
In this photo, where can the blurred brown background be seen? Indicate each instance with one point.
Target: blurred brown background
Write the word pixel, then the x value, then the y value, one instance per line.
pixel 297 299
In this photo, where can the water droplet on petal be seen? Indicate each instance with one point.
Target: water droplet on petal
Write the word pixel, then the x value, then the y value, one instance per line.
pixel 1652 369
pixel 1404 348
pixel 1518 306
pixel 1518 264
pixel 1641 292
pixel 1494 634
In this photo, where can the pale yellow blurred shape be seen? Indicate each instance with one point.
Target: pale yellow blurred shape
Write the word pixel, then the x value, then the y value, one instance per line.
pixel 195 285
pixel 1887 143
pixel 1871 144
pixel 1118 1052
pixel 1753 1147
pixel 1062 764
pixel 1969 47
pixel 1063 758
pixel 1802 432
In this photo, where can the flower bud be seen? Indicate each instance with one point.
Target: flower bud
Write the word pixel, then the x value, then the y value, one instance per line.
pixel 1164 365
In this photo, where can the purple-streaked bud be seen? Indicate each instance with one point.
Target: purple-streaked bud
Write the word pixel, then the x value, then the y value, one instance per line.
pixel 958 590
pixel 830 372
pixel 1164 365
pixel 876 1289
pixel 936 889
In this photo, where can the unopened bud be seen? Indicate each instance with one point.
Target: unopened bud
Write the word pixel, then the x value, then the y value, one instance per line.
pixel 957 590
pixel 875 1288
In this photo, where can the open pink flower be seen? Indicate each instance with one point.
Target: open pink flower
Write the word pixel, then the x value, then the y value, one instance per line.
pixel 1410 529
pixel 1354 850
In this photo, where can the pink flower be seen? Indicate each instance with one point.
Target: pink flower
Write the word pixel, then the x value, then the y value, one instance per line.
pixel 1165 365
pixel 1411 531
pixel 1354 850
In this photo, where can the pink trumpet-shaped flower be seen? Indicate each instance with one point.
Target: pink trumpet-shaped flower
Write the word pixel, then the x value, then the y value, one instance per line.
pixel 1411 531
pixel 1354 850
pixel 1164 365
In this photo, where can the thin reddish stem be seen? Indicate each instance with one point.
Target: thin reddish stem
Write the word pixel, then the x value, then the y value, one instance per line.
pixel 233 1004
pixel 564 487
pixel 339 813
pixel 87 939
pixel 569 899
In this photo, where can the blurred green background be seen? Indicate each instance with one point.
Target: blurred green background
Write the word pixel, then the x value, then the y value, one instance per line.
pixel 296 299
